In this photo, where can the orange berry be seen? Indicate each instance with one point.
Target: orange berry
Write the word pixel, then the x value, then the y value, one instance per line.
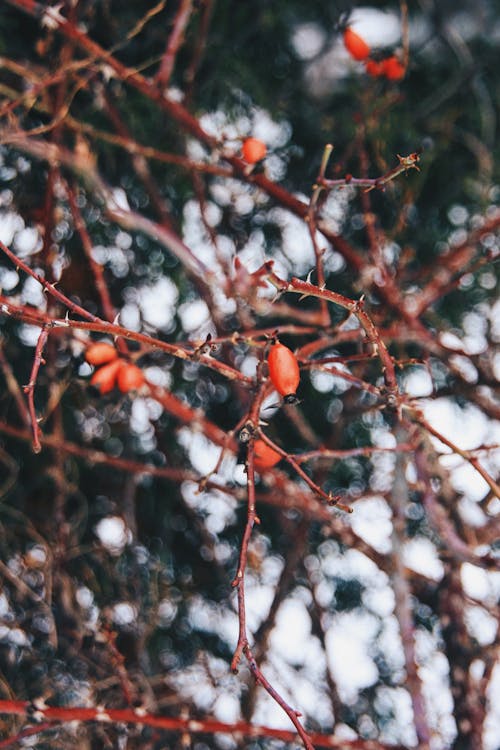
pixel 104 378
pixel 265 456
pixel 355 45
pixel 284 371
pixel 393 69
pixel 253 150
pixel 374 68
pixel 130 378
pixel 100 353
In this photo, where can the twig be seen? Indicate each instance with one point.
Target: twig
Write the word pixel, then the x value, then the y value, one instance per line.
pixel 174 42
pixel 137 716
pixel 402 592
pixel 405 163
pixel 418 416
pixel 13 385
pixel 30 388
pixel 306 289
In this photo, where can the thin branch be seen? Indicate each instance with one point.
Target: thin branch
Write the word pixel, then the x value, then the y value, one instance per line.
pixel 174 43
pixel 405 163
pixel 30 388
pixel 418 416
pixel 38 711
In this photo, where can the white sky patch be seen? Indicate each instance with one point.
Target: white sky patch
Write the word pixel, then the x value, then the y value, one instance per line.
pixel 270 406
pixel 296 689
pixel 383 464
pixel 293 626
pixel 418 383
pixel 217 509
pixel 372 522
pixel 227 708
pixel 297 246
pixel 223 192
pixel 194 315
pixel 434 673
pixel 167 610
pixel 494 319
pixel 33 294
pixel 4 605
pixel 466 479
pixel 158 302
pixel 379 600
pixel 335 207
pixel 352 563
pixel 29 335
pixel 465 366
pixel 383 438
pixel 248 365
pixel 389 644
pixel 471 512
pixel 313 701
pixel 467 427
pixel 348 644
pixel 194 683
pixel 9 278
pixel 202 453
pixel 396 701
pixel 18 637
pixel 140 416
pixel 308 39
pixel 450 340
pixel 10 224
pixel 481 584
pixel 195 234
pixel 421 555
pixel 124 613
pixel 273 134
pixel 123 240
pixel 113 255
pixel 84 597
pixel 324 382
pixel 378 28
pixel 130 317
pixel 27 241
pixel 253 254
pixel 119 198
pixel 481 625
pixel 158 376
pixel 113 534
pixel 211 618
pixel 492 722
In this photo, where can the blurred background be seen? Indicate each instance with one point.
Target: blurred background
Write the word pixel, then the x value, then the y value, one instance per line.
pixel 116 566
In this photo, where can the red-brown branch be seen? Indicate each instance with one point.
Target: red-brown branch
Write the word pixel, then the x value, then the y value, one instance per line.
pixel 29 389
pixel 139 716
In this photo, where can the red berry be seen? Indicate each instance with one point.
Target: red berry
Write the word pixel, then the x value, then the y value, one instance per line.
pixel 283 371
pixel 104 378
pixel 355 45
pixel 393 69
pixel 253 150
pixel 130 378
pixel 100 353
pixel 265 456
pixel 374 68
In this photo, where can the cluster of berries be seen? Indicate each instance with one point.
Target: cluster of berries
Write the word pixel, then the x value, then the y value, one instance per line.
pixel 390 68
pixel 113 371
